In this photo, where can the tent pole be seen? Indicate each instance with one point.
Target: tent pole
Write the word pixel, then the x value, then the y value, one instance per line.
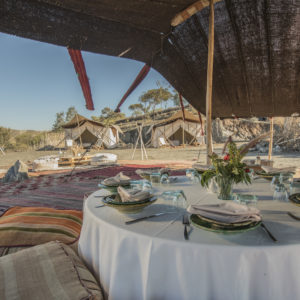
pixel 183 133
pixel 271 138
pixel 141 140
pixel 78 130
pixel 136 144
pixel 209 83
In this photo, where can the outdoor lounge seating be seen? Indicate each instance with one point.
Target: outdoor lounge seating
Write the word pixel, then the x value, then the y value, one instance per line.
pixel 50 271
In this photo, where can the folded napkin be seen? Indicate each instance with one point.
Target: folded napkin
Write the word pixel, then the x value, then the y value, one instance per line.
pixel 132 195
pixel 118 179
pixel 228 213
pixel 278 170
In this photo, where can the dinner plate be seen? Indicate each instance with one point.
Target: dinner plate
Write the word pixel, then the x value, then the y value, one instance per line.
pixel 126 183
pixel 111 188
pixel 267 176
pixel 295 198
pixel 127 207
pixel 215 226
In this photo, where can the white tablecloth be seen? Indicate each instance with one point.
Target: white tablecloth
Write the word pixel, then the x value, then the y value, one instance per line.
pixel 151 259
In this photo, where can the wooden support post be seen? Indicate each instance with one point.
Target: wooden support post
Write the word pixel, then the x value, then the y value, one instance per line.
pixel 271 138
pixel 183 143
pixel 210 62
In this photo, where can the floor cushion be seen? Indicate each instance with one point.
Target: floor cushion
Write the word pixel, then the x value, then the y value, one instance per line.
pixel 51 271
pixel 31 226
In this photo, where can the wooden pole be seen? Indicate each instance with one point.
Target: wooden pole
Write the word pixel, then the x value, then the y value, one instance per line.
pixel 183 133
pixel 210 62
pixel 271 138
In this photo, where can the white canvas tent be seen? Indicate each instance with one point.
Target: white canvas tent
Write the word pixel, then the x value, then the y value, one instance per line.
pixel 174 131
pixel 88 132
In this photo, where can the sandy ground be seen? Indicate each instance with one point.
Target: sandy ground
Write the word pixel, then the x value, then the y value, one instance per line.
pixel 182 156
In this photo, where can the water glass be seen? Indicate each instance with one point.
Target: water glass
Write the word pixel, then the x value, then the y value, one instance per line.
pixel 136 184
pixel 146 185
pixel 275 181
pixel 294 187
pixel 246 199
pixel 164 179
pixel 176 199
pixel 193 175
pixel 280 193
pixel 155 178
pixel 213 187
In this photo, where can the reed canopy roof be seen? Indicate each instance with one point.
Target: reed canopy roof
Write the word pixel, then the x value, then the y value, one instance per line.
pixel 79 120
pixel 188 116
pixel 256 61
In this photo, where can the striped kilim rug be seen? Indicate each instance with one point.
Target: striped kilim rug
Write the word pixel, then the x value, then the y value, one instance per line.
pixel 62 191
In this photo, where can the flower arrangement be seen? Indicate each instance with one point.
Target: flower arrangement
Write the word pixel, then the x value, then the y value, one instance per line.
pixel 227 170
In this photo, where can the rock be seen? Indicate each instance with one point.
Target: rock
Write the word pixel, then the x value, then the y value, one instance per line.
pixel 17 172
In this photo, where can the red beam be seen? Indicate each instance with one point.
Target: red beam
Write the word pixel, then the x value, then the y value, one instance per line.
pixel 79 66
pixel 143 73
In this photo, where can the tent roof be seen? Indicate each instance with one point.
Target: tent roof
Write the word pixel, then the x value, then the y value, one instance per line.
pixel 256 66
pixel 178 116
pixel 80 120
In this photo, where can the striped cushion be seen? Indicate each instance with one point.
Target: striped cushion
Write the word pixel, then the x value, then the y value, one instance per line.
pixel 50 272
pixel 30 226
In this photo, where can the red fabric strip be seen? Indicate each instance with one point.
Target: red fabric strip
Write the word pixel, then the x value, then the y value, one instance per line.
pixel 79 66
pixel 143 73
pixel 182 107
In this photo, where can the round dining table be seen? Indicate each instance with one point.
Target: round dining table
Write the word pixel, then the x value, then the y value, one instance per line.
pixel 151 259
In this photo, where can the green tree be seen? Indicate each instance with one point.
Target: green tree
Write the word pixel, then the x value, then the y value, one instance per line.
pixel 71 112
pixel 137 109
pixel 150 99
pixel 5 135
pixel 108 116
pixel 59 121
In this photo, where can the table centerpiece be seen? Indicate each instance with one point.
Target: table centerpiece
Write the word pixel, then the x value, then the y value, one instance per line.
pixel 227 170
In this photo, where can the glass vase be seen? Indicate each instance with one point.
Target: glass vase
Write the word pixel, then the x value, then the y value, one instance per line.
pixel 225 187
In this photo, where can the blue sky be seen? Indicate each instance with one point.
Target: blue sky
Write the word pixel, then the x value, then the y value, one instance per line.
pixel 37 80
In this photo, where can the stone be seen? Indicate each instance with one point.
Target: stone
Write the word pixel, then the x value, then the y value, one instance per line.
pixel 17 172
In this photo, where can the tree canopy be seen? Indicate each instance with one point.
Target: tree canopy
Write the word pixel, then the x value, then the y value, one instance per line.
pixel 62 118
pixel 108 116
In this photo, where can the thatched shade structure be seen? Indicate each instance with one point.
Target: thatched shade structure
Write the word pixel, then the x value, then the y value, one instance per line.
pixel 256 59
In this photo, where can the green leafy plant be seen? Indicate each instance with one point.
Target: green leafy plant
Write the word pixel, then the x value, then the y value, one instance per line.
pixel 229 167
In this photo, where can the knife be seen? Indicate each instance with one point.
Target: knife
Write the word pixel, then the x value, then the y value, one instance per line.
pixel 268 232
pixel 144 218
pixel 293 216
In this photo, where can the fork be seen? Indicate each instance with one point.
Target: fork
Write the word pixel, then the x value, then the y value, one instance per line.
pixel 185 222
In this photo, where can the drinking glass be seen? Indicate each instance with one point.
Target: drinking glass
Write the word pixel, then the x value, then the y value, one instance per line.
pixel 246 199
pixel 193 175
pixel 175 199
pixel 294 187
pixel 164 179
pixel 280 193
pixel 275 181
pixel 213 186
pixel 146 185
pixel 155 178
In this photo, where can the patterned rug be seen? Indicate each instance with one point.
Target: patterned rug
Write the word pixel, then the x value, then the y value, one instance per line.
pixel 63 191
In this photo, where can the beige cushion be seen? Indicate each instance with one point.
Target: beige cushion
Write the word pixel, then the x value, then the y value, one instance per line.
pixel 48 271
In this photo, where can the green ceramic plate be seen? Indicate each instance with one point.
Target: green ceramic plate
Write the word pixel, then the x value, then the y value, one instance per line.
pixel 214 226
pixel 112 189
pixel 295 198
pixel 268 176
pixel 127 207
